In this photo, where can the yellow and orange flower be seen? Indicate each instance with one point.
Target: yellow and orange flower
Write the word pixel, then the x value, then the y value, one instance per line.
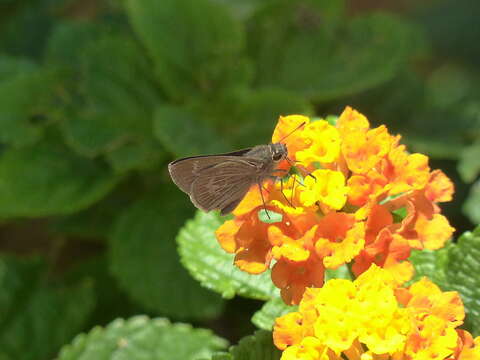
pixel 373 318
pixel 362 199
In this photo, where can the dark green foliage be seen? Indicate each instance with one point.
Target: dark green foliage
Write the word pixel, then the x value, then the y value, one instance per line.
pixel 152 273
pixel 36 316
pixel 97 96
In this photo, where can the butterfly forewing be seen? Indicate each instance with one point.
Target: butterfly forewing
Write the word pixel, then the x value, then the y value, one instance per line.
pixel 184 171
pixel 222 186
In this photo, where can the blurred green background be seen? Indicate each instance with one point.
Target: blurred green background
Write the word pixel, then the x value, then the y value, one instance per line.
pixel 96 97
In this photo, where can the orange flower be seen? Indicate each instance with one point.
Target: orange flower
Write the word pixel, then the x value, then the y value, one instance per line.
pixel 339 239
pixel 354 195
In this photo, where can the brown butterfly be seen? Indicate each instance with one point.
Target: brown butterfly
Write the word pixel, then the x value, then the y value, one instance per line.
pixel 220 182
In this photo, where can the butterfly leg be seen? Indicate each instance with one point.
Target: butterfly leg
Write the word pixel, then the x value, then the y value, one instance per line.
pixel 293 188
pixel 263 200
pixel 281 190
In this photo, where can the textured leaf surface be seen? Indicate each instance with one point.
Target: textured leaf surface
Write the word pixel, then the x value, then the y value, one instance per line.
pixel 195 44
pixel 272 309
pixel 431 264
pixel 144 259
pixel 48 179
pixel 311 48
pixel 213 267
pixel 462 273
pixel 455 267
pixel 35 317
pixel 141 338
pixel 255 347
pixel 184 134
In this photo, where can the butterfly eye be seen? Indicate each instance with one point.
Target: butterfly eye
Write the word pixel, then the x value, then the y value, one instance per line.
pixel 277 156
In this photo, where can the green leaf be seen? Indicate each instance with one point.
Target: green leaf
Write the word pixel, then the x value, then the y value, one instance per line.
pixel 312 49
pixel 36 318
pixel 431 264
pixel 468 165
pixel 136 155
pixel 144 259
pixel 24 29
pixel 195 44
pixel 213 267
pixel 96 221
pixel 69 40
pixel 255 347
pixel 241 9
pixel 184 134
pixel 272 309
pixel 269 217
pixel 341 272
pixel 441 147
pixel 462 275
pixel 254 113
pixel 48 179
pixel 471 207
pixel 115 101
pixel 26 97
pixel 140 338
pixel 111 302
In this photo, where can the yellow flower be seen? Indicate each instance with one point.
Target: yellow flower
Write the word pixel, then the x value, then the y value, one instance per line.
pixel 373 318
pixel 327 188
pixel 324 143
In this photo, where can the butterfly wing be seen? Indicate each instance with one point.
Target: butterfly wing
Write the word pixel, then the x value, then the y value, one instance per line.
pixel 184 171
pixel 224 185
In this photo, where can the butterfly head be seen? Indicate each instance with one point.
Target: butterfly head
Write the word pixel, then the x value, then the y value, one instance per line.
pixel 278 151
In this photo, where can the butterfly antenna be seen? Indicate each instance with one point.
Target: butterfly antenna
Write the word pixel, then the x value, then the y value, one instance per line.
pixel 291 132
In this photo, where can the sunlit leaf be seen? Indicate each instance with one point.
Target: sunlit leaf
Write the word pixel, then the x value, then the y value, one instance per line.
pixel 140 338
pixel 213 267
pixel 272 309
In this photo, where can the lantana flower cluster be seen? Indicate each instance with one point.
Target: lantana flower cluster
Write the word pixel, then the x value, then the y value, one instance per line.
pixel 372 318
pixel 357 197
